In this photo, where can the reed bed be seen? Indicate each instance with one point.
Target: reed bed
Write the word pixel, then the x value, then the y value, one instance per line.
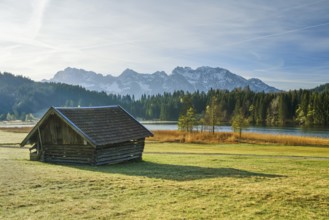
pixel 286 139
pixel 16 129
pixel 217 137
pixel 230 137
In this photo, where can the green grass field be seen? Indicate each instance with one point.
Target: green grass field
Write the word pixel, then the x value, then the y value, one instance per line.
pixel 174 181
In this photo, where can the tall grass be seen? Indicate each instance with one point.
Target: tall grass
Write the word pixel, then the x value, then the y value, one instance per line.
pixel 230 137
pixel 286 139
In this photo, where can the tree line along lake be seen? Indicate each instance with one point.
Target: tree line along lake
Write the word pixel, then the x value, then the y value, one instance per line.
pixel 322 132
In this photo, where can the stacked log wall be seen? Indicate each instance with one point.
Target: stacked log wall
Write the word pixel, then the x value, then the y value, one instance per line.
pixel 77 154
pixel 121 152
pixel 86 154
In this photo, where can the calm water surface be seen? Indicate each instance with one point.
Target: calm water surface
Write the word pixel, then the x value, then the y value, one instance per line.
pixel 297 131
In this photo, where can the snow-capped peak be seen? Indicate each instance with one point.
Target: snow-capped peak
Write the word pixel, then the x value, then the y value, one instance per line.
pixel 182 78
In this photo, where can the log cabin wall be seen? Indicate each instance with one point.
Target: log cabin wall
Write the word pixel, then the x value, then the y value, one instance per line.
pixel 61 144
pixel 87 135
pixel 77 154
pixel 56 131
pixel 116 153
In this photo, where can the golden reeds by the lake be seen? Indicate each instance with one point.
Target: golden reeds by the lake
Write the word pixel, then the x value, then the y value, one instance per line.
pixel 230 137
pixel 220 137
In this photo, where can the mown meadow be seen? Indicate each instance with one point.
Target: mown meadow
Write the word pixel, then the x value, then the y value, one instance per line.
pixel 174 181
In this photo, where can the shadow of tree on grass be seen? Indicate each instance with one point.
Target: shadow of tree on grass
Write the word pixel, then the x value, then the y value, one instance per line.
pixel 172 172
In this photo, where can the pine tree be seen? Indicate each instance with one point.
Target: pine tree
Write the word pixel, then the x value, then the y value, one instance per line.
pixel 187 121
pixel 300 115
pixel 239 122
pixel 212 114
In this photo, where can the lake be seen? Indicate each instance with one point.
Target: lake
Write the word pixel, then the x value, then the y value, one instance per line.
pixel 296 131
pixel 151 125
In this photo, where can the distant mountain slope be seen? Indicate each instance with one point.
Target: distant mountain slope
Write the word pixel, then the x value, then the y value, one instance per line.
pixel 206 78
pixel 322 88
pixel 20 95
pixel 182 78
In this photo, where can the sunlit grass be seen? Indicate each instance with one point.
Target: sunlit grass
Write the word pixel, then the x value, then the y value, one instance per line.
pixel 174 181
pixel 16 129
pixel 239 149
pixel 170 186
pixel 11 138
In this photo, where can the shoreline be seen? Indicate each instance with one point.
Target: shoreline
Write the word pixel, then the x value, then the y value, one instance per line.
pixel 206 137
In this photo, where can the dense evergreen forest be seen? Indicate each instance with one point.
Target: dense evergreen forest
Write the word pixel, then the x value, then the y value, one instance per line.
pixel 24 99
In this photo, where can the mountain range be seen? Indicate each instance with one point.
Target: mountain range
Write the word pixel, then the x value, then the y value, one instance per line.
pixel 130 82
pixel 21 96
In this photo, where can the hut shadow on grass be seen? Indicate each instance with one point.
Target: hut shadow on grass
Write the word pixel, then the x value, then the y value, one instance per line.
pixel 172 172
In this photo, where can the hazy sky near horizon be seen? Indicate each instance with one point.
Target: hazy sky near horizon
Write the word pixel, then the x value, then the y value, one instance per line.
pixel 285 43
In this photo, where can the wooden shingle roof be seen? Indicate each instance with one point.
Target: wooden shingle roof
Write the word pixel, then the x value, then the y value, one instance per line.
pixel 99 125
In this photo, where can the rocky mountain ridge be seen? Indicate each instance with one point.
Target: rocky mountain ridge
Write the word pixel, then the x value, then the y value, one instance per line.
pixel 182 78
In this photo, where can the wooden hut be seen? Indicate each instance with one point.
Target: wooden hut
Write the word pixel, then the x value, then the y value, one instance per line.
pixel 88 135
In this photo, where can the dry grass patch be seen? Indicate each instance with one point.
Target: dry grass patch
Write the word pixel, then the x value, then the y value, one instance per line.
pixel 230 137
pixel 286 139
pixel 194 137
pixel 16 129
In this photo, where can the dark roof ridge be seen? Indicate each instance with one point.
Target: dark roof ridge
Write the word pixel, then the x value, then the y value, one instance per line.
pixel 88 107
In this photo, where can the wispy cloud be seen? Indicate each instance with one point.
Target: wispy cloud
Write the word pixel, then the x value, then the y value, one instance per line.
pixel 253 38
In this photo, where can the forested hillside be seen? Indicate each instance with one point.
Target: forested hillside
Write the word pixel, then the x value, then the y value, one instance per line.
pixel 20 97
pixel 322 88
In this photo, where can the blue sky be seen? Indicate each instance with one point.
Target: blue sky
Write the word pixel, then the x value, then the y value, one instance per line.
pixel 285 43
